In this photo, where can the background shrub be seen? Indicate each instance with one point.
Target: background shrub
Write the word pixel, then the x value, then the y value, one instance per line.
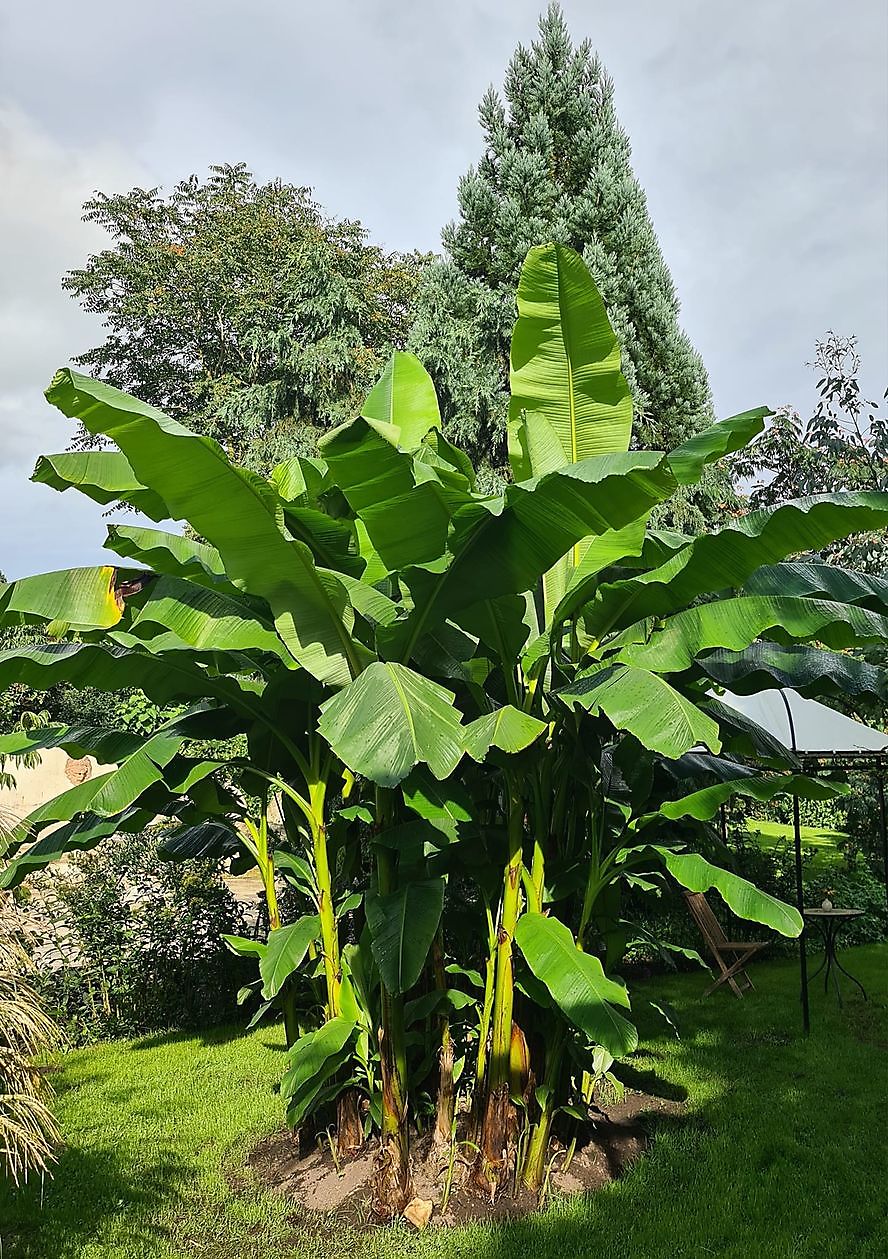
pixel 131 944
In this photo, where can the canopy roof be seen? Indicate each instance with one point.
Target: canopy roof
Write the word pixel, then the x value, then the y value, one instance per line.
pixel 817 728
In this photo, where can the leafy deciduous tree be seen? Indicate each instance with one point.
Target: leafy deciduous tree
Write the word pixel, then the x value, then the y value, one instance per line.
pixel 242 308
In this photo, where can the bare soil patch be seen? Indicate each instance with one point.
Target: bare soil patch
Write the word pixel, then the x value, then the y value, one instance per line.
pixel 313 1182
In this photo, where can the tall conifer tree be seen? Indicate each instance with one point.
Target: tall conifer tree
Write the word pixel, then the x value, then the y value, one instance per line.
pixel 556 166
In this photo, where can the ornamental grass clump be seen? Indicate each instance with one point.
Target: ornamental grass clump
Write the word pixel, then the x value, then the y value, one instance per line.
pixel 29 1134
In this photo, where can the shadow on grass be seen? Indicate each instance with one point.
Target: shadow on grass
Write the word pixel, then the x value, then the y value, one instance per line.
pixel 205 1036
pixel 59 1218
pixel 782 1154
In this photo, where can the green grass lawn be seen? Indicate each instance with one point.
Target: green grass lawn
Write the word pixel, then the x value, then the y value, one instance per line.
pixel 782 1151
pixel 776 836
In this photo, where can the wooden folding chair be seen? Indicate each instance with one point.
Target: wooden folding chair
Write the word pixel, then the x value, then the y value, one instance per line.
pixel 730 956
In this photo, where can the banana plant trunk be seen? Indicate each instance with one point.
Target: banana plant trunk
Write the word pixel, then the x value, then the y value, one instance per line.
pixel 445 1108
pixel 499 1121
pixel 547 1096
pixel 392 1181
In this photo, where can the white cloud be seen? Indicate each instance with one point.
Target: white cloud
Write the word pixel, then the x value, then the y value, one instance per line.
pixel 44 184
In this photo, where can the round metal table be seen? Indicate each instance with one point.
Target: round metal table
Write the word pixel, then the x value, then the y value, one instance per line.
pixel 830 922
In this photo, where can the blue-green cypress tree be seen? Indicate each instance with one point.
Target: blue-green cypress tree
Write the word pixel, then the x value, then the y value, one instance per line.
pixel 556 166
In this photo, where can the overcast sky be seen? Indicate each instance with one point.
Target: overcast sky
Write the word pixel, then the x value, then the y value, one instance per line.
pixel 759 131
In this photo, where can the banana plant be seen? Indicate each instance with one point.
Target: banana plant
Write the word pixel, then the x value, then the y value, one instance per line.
pixel 606 637
pixel 480 717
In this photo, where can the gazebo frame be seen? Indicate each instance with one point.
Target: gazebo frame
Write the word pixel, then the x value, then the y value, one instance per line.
pixel 877 763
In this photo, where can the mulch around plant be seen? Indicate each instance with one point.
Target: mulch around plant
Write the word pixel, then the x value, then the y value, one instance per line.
pixel 311 1180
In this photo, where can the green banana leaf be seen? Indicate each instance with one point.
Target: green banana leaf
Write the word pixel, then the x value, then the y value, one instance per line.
pixel 812 671
pixel 236 511
pixel 569 399
pixel 80 834
pixel 106 794
pixel 508 728
pixel 600 552
pixel 285 950
pixel 445 804
pixel 203 619
pixel 705 803
pixel 400 499
pixel 727 559
pixel 404 397
pixel 105 476
pixel 211 839
pixel 736 623
pixel 107 746
pixel 402 927
pixel 503 545
pixel 112 668
pixel 645 705
pixel 169 553
pixel 698 875
pixel 565 376
pixel 576 983
pixel 688 460
pixel 314 1060
pixel 821 581
pixel 391 719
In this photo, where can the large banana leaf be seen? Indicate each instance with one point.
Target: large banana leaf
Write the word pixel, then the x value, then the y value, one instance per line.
pixel 236 511
pixel 105 795
pixel 812 671
pixel 107 746
pixel 406 520
pixel 330 539
pixel 405 398
pixel 402 927
pixel 705 803
pixel 391 719
pixel 113 668
pixel 821 581
pixel 565 373
pixel 170 553
pixel 576 982
pixel 79 835
pixel 501 625
pixel 82 598
pixel 211 839
pixel 719 561
pixel 697 875
pixel 503 545
pixel 599 553
pixel 105 476
pixel 736 623
pixel 688 460
pixel 203 619
pixel 569 399
pixel 658 715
